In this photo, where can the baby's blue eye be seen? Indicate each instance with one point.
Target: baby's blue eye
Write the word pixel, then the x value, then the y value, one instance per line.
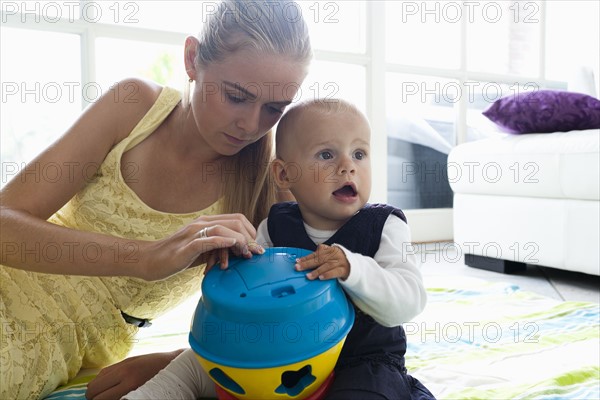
pixel 359 155
pixel 325 155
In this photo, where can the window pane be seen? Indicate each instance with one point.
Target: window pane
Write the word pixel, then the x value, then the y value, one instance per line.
pixel 41 93
pixel 336 25
pixel 573 42
pixel 503 37
pixel 158 62
pixel 179 16
pixel 335 80
pixel 423 33
pixel 420 125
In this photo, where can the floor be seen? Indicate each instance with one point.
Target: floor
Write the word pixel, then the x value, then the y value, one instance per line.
pixel 440 259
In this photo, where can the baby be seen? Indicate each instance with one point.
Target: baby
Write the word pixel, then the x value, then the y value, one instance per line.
pixel 323 159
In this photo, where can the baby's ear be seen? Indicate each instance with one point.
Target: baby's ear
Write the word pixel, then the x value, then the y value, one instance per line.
pixel 278 168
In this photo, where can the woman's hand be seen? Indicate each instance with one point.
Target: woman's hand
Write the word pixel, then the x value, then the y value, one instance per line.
pixel 327 262
pixel 206 240
pixel 119 379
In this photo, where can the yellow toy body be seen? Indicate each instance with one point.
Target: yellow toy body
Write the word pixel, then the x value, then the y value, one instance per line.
pixel 263 331
pixel 260 384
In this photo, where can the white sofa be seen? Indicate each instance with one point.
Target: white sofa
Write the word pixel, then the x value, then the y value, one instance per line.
pixel 528 199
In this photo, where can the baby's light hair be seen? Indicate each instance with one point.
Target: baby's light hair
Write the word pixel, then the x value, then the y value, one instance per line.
pixel 295 114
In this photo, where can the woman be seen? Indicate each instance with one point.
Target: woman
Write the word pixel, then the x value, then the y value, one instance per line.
pixel 149 186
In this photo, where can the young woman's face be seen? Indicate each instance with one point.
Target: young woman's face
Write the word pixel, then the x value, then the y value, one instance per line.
pixel 236 101
pixel 329 168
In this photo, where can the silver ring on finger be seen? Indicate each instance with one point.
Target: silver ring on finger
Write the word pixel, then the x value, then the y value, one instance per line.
pixel 204 232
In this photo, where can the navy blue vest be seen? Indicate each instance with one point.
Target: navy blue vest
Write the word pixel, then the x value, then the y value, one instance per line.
pixel 361 234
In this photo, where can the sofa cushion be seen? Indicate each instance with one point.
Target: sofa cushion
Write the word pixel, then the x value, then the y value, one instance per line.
pixel 558 233
pixel 559 165
pixel 545 111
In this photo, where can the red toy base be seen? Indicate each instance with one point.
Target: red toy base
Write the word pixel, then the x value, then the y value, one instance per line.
pixel 222 394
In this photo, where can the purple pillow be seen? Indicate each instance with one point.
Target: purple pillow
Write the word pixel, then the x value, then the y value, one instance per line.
pixel 545 111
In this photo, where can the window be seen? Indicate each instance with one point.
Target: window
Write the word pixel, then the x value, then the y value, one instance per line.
pixel 41 77
pixel 417 35
pixel 162 63
pixel 328 21
pixel 422 70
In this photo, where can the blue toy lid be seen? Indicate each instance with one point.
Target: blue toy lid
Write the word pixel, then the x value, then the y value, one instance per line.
pixel 261 312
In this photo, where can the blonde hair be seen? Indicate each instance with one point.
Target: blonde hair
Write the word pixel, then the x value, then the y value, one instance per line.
pixel 294 115
pixel 274 27
pixel 267 26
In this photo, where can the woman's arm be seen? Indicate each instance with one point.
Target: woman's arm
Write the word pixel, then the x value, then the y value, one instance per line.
pixel 29 200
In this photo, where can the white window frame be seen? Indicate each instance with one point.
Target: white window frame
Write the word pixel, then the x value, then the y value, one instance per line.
pixel 374 62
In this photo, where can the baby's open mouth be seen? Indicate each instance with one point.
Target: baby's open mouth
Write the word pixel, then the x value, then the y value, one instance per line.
pixel 345 191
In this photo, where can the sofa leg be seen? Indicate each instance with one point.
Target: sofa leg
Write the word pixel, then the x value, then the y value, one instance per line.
pixel 494 264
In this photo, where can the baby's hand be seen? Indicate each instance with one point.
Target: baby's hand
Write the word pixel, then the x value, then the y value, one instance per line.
pixel 328 262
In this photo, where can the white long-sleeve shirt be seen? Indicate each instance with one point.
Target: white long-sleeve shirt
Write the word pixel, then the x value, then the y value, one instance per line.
pixel 389 287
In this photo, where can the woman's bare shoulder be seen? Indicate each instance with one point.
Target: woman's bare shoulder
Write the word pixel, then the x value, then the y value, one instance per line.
pixel 136 91
pixel 127 102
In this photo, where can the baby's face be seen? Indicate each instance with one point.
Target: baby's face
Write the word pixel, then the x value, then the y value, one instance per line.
pixel 331 158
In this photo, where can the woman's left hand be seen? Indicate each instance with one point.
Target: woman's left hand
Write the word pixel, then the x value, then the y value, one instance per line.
pixel 327 262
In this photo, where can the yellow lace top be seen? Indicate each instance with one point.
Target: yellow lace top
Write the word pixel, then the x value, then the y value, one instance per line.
pixel 109 206
pixel 54 325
